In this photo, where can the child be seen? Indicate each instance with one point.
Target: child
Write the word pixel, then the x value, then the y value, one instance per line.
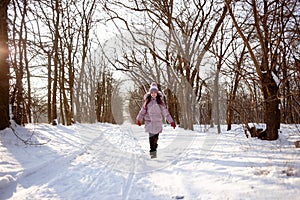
pixel 152 111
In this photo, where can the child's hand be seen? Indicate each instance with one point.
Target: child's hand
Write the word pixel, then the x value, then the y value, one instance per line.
pixel 173 125
pixel 138 122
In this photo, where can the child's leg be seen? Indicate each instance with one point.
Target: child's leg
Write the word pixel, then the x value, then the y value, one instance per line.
pixel 153 142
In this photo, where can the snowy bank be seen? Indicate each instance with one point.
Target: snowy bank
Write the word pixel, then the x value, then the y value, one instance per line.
pixel 105 161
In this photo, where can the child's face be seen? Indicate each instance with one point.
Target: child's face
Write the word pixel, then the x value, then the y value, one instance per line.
pixel 153 94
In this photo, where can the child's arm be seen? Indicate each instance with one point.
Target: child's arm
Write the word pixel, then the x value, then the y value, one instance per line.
pixel 166 113
pixel 141 114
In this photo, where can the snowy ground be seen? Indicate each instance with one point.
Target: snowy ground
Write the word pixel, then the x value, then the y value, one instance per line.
pixel 105 161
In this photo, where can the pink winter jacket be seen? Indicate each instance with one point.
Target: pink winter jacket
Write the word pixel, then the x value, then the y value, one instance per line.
pixel 152 115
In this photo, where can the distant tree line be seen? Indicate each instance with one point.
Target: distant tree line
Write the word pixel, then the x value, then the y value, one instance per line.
pixel 107 93
pixel 54 70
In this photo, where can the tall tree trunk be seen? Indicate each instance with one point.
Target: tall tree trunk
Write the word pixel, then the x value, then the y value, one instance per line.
pixel 49 108
pixel 216 106
pixel 230 108
pixel 266 69
pixel 4 66
pixel 70 114
pixel 29 99
pixel 17 99
pixel 237 76
pixel 27 109
pixel 56 57
pixel 61 107
pixel 271 106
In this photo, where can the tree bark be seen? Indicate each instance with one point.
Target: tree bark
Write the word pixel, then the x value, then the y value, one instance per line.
pixel 49 86
pixel 56 62
pixel 271 106
pixel 216 105
pixel 4 66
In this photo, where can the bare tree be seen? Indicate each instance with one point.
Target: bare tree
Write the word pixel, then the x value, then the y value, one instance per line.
pixel 56 22
pixel 234 86
pixel 55 38
pixel 220 48
pixel 20 64
pixel 106 90
pixel 86 22
pixel 4 66
pixel 68 24
pixel 270 19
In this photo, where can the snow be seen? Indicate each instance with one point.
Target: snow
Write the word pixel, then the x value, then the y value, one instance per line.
pixel 106 161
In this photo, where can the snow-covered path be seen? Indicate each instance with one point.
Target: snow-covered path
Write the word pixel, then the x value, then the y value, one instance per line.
pixel 105 161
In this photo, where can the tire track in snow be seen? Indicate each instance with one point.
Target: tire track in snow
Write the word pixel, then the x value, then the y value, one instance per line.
pixel 45 171
pixel 99 153
pixel 121 146
pixel 130 179
pixel 50 164
pixel 119 149
pixel 128 144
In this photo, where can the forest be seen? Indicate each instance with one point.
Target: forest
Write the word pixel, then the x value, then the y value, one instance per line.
pixel 87 61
